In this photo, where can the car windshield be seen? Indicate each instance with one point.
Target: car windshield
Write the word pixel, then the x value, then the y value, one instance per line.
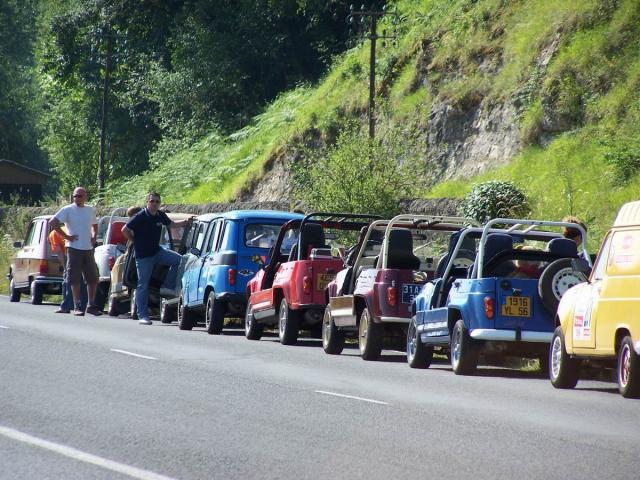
pixel 260 235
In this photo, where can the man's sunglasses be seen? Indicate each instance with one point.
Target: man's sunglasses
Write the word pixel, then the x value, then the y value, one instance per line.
pixel 153 201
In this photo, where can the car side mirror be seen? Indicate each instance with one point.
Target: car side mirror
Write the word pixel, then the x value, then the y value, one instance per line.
pixel 17 244
pixel 194 251
pixel 259 259
pixel 581 265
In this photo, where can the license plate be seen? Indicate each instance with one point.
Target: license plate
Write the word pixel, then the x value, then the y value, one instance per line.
pixel 516 307
pixel 323 279
pixel 410 291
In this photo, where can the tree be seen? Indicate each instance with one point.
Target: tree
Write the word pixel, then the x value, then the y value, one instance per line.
pixel 357 175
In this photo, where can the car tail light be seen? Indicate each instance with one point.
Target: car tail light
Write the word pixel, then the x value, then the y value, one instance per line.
pixel 43 268
pixel 112 262
pixel 306 285
pixel 231 276
pixel 488 307
pixel 392 296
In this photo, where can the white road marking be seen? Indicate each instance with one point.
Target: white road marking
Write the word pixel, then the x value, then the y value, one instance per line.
pixel 2 326
pixel 70 452
pixel 132 354
pixel 352 397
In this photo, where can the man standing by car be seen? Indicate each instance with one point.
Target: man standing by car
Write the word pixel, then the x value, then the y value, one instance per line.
pixel 144 229
pixel 80 238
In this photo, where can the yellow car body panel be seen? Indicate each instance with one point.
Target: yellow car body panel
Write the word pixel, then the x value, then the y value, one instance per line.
pixel 596 315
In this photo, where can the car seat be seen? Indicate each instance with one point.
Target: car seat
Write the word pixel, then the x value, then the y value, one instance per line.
pixel 563 247
pixel 400 253
pixel 496 244
pixel 312 237
pixel 115 234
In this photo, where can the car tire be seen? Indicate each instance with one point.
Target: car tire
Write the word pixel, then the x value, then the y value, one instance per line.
pixel 332 338
pixel 556 279
pixel 14 293
pixel 36 294
pixel 288 324
pixel 628 369
pixel 186 319
pixel 370 337
pixel 133 308
pixel 419 355
pixel 113 310
pixel 464 351
pixel 252 329
pixel 168 313
pixel 563 370
pixel 214 315
pixel 102 291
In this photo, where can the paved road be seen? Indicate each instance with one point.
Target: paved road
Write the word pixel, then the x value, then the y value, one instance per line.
pixel 75 404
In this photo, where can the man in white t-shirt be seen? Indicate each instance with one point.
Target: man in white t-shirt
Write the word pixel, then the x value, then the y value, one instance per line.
pixel 80 238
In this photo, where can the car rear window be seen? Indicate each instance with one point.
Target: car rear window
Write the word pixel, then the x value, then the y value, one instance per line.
pixel 258 235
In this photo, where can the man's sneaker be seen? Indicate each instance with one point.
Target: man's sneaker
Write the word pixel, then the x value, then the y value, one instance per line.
pixel 78 312
pixel 93 310
pixel 63 310
pixel 145 321
pixel 168 292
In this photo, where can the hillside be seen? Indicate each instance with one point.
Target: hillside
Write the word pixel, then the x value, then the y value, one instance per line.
pixel 540 92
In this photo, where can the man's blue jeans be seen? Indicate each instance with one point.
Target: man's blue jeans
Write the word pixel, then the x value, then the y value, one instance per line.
pixel 145 269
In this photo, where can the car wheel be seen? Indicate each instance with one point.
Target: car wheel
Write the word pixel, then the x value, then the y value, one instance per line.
pixel 102 291
pixel 252 329
pixel 36 294
pixel 332 338
pixel 186 319
pixel 419 355
pixel 214 315
pixel 563 370
pixel 555 280
pixel 464 353
pixel 168 313
pixel 369 337
pixel 628 369
pixel 113 310
pixel 133 308
pixel 287 324
pixel 14 293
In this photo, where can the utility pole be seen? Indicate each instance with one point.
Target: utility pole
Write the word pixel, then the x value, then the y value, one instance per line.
pixel 373 36
pixel 105 109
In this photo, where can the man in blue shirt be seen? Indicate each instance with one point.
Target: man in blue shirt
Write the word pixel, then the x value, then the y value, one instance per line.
pixel 144 230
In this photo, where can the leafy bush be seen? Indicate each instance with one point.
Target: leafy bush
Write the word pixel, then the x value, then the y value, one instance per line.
pixel 357 175
pixel 495 199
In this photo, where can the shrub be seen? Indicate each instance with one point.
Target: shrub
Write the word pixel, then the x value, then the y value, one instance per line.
pixel 495 199
pixel 357 175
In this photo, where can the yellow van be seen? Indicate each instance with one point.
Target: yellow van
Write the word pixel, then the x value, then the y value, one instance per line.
pixel 600 320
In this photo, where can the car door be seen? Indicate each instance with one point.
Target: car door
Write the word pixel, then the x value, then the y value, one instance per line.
pixel 208 257
pixel 194 262
pixel 588 304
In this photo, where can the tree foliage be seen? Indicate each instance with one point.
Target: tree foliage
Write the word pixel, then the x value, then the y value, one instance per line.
pixel 358 175
pixel 495 199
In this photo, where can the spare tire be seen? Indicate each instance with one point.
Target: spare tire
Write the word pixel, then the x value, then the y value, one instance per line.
pixel 556 279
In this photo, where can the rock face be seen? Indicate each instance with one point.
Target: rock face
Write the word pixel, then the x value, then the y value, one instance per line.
pixel 463 143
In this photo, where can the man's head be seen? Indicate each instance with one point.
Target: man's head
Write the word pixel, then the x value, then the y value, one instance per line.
pixel 153 202
pixel 131 211
pixel 573 233
pixel 79 196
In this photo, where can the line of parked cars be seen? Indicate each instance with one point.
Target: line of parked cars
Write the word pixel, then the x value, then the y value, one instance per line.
pixel 427 284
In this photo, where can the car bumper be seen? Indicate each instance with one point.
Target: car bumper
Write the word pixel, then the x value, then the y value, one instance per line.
pixel 48 281
pixel 404 320
pixel 510 335
pixel 232 297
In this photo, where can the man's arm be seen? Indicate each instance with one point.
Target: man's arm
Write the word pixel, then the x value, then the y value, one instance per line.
pixel 55 225
pixel 128 233
pixel 94 234
pixel 182 223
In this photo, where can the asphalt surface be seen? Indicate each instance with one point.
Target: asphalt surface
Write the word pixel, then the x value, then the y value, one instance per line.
pixel 76 404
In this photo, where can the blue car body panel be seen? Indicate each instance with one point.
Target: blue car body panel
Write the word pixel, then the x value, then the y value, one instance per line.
pixel 209 271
